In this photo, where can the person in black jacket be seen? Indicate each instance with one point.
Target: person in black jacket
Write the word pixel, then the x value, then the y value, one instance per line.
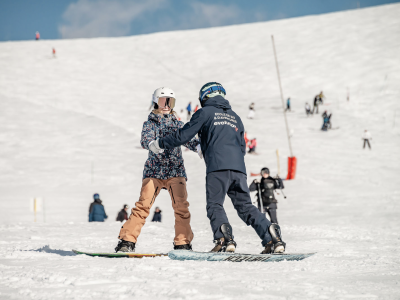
pixel 123 213
pixel 266 186
pixel 221 134
pixel 157 215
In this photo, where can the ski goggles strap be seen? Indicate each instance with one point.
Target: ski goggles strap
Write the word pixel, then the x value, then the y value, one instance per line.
pixel 166 101
pixel 211 90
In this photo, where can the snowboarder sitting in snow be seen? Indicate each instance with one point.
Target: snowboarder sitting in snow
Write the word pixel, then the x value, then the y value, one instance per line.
pixel 266 186
pixel 327 121
pixel 157 215
pixel 96 210
pixel 162 170
pixel 221 134
pixel 123 214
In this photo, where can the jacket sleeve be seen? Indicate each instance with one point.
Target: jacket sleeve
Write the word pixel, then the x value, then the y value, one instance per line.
pixel 243 142
pixel 253 187
pixel 192 144
pixel 186 133
pixel 105 215
pixel 148 135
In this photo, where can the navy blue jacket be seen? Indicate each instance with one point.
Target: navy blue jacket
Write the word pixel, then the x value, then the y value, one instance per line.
pixel 97 212
pixel 221 134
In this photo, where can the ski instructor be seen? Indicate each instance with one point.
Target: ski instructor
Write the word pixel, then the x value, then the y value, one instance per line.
pixel 221 135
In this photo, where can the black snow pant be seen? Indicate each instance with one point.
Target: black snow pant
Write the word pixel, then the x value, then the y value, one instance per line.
pixel 271 210
pixel 234 184
pixel 366 141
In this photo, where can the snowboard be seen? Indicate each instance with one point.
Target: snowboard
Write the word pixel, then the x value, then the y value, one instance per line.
pixel 235 257
pixel 119 255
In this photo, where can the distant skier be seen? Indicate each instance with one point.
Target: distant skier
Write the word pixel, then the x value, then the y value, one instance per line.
pixel 252 146
pixel 326 121
pixel 54 52
pixel 266 186
pixel 221 134
pixel 308 109
pixel 252 111
pixel 164 170
pixel 123 214
pixel 288 104
pixel 366 137
pixel 315 107
pixel 321 97
pixel 96 210
pixel 189 110
pixel 37 35
pixel 157 215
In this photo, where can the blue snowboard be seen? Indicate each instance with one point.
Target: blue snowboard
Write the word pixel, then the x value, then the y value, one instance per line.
pixel 234 257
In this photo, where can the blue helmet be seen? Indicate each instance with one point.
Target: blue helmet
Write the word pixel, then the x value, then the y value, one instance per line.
pixel 96 196
pixel 211 89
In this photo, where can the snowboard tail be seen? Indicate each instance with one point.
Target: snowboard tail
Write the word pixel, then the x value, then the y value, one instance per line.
pixel 236 257
pixel 121 254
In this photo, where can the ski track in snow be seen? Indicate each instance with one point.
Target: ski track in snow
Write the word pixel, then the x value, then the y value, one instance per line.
pixel 84 110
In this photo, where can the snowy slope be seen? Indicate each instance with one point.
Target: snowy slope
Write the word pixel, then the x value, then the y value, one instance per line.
pixel 66 118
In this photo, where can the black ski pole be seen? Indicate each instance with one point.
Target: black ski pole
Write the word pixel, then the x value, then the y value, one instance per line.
pixel 283 194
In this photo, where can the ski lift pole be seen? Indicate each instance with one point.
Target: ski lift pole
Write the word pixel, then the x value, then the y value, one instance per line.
pixel 283 102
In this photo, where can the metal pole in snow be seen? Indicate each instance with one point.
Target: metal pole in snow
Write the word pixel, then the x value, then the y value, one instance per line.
pixel 283 102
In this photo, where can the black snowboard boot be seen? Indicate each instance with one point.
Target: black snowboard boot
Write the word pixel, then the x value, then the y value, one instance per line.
pixel 276 245
pixel 125 246
pixel 183 247
pixel 226 243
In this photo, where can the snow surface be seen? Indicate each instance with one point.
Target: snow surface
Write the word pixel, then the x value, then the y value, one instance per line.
pixel 63 117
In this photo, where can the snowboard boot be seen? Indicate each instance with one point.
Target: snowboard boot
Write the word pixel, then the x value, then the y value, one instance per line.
pixel 183 247
pixel 226 243
pixel 276 245
pixel 125 246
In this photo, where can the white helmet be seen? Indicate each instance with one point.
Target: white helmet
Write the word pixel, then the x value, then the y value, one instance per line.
pixel 163 92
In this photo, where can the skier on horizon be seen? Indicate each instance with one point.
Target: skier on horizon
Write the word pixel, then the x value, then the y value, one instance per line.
pixel 288 105
pixel 162 170
pixel 221 134
pixel 37 35
pixel 189 110
pixel 366 137
pixel 308 109
pixel 266 185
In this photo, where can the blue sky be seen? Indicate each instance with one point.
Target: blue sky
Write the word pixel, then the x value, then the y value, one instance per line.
pixel 56 19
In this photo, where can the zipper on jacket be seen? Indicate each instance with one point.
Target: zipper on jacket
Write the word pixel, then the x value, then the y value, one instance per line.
pixel 173 198
pixel 154 196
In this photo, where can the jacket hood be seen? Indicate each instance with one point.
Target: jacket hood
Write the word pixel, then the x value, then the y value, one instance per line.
pixel 98 201
pixel 218 102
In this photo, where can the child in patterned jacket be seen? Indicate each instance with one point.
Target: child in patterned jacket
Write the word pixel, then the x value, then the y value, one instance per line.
pixel 161 171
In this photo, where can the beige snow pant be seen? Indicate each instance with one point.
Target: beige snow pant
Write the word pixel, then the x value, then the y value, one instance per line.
pixel 151 187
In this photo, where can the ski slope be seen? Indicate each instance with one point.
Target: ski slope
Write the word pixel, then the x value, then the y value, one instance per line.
pixel 70 127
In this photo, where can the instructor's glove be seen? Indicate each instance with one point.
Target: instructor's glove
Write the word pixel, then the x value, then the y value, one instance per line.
pixel 199 151
pixel 256 180
pixel 154 147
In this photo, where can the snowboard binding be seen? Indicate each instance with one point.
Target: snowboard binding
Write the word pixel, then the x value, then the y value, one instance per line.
pixel 276 245
pixel 183 247
pixel 226 243
pixel 125 246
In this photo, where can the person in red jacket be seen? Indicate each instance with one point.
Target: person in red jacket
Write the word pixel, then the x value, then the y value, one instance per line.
pixel 246 140
pixel 37 35
pixel 252 147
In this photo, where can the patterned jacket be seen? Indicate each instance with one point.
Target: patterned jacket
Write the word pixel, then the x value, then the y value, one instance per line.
pixel 169 163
